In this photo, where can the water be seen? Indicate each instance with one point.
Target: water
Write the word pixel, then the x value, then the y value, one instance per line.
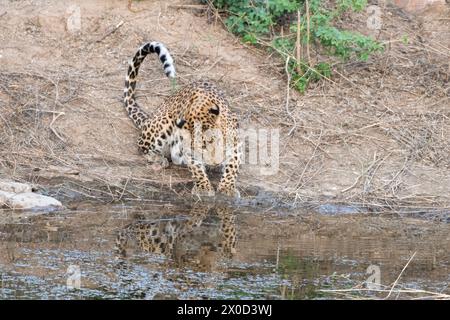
pixel 217 252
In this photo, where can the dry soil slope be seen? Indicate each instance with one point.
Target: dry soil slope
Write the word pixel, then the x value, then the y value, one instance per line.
pixel 378 131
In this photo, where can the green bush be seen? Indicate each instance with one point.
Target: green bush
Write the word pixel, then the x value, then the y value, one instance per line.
pixel 258 23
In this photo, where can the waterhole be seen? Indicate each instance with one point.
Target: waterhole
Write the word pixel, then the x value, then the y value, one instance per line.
pixel 167 251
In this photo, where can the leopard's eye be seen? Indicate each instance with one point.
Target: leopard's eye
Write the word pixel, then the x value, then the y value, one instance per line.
pixel 215 111
pixel 180 123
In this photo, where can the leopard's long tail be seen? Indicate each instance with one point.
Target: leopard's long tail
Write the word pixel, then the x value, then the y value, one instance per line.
pixel 134 111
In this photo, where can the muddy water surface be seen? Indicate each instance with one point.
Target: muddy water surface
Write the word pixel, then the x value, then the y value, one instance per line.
pixel 166 251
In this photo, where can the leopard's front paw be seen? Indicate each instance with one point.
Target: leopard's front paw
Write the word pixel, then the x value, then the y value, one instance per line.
pixel 203 191
pixel 230 191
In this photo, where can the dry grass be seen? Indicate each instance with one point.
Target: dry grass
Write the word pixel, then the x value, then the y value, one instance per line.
pixel 32 104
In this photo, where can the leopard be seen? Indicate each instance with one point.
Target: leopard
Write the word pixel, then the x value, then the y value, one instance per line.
pixel 167 135
pixel 197 242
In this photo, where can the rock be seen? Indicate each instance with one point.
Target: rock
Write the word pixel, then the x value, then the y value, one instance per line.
pixel 4 196
pixel 15 187
pixel 73 23
pixel 16 195
pixel 28 200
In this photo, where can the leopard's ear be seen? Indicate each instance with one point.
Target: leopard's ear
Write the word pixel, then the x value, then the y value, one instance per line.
pixel 180 123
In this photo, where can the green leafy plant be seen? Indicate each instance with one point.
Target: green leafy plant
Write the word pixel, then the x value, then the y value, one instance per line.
pixel 258 22
pixel 405 39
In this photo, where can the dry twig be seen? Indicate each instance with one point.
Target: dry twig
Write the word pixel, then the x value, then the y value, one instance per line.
pixel 110 32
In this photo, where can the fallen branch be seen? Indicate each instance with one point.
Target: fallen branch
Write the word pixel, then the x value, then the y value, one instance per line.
pixel 398 278
pixel 298 44
pixel 436 295
pixel 189 6
pixel 307 32
pixel 288 86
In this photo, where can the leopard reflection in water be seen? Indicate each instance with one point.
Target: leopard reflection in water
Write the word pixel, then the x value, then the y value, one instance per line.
pixel 199 241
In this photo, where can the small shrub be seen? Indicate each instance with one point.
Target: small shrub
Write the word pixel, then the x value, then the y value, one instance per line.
pixel 258 22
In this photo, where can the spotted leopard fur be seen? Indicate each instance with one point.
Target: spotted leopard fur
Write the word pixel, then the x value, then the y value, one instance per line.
pixel 169 134
pixel 192 242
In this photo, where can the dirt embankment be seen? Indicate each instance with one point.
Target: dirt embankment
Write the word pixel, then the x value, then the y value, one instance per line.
pixel 377 134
